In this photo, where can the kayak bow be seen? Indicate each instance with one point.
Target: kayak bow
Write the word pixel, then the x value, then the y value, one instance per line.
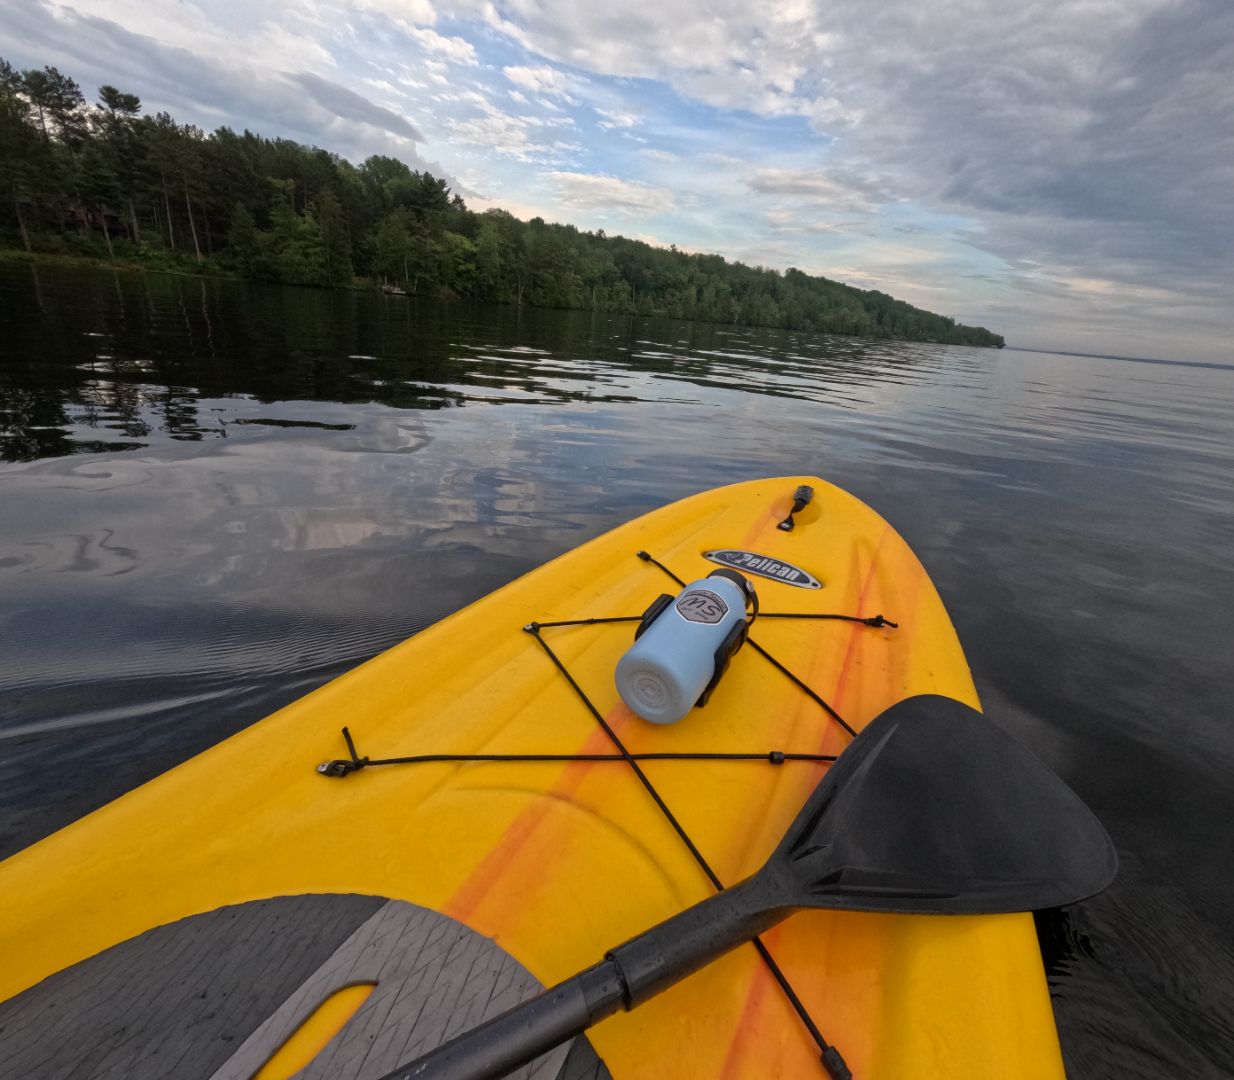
pixel 245 915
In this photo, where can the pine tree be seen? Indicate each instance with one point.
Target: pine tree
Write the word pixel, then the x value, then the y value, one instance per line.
pixel 335 237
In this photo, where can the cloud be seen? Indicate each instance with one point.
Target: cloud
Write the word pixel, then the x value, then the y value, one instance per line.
pixel 455 49
pixel 544 81
pixel 273 36
pixel 405 12
pixel 349 105
pixel 1106 138
pixel 730 53
pixel 818 187
pixel 618 118
pixel 596 192
pixel 793 221
pixel 526 138
pixel 504 133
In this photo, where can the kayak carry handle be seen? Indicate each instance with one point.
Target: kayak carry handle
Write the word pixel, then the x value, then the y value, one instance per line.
pixel 801 499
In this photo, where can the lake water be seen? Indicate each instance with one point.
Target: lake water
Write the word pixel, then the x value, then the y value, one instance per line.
pixel 215 496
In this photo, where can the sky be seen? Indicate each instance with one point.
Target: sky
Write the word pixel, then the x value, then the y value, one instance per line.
pixel 1061 172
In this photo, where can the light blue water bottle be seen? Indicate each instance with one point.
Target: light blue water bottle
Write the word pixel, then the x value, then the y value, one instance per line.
pixel 683 645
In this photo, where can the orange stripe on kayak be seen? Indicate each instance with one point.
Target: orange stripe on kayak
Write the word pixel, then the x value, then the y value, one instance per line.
pixel 837 695
pixel 760 980
pixel 760 527
pixel 468 896
pixel 756 992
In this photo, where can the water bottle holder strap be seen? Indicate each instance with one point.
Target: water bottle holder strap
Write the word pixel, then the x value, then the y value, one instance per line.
pixel 656 608
pixel 733 641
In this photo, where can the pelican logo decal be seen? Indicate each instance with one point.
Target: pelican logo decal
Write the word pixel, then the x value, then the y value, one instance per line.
pixel 702 605
pixel 750 562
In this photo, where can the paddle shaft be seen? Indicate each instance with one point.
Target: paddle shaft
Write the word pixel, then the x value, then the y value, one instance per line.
pixel 631 974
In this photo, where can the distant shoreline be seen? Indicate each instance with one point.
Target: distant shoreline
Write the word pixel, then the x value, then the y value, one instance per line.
pixel 1129 359
pixel 214 272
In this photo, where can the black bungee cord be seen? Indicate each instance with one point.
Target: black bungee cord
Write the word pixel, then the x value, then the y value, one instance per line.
pixel 830 1055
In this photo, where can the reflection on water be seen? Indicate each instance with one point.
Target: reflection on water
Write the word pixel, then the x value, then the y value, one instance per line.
pixel 218 495
pixel 95 364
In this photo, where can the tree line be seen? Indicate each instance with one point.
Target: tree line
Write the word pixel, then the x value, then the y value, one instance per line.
pixel 103 180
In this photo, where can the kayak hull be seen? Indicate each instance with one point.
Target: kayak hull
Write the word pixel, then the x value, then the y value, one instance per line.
pixel 555 862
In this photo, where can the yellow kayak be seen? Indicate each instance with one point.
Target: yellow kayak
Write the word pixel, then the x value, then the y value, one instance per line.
pixel 248 914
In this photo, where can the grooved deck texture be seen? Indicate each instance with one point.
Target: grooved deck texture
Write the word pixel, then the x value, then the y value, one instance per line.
pixel 582 1063
pixel 214 996
pixel 435 979
pixel 177 1000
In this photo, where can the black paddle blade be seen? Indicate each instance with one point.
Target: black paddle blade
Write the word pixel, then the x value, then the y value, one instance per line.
pixel 933 810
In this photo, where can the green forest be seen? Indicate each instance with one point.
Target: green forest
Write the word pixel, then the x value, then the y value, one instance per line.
pixel 101 180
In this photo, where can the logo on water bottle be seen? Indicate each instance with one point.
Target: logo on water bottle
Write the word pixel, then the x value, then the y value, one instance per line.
pixel 702 606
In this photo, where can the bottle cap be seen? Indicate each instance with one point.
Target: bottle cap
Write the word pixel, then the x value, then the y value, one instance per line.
pixel 747 587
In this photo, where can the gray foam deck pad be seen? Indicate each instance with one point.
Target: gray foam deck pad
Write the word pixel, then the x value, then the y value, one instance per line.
pixel 212 997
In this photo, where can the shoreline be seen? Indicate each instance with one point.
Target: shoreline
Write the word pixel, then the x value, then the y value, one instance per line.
pixel 17 255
